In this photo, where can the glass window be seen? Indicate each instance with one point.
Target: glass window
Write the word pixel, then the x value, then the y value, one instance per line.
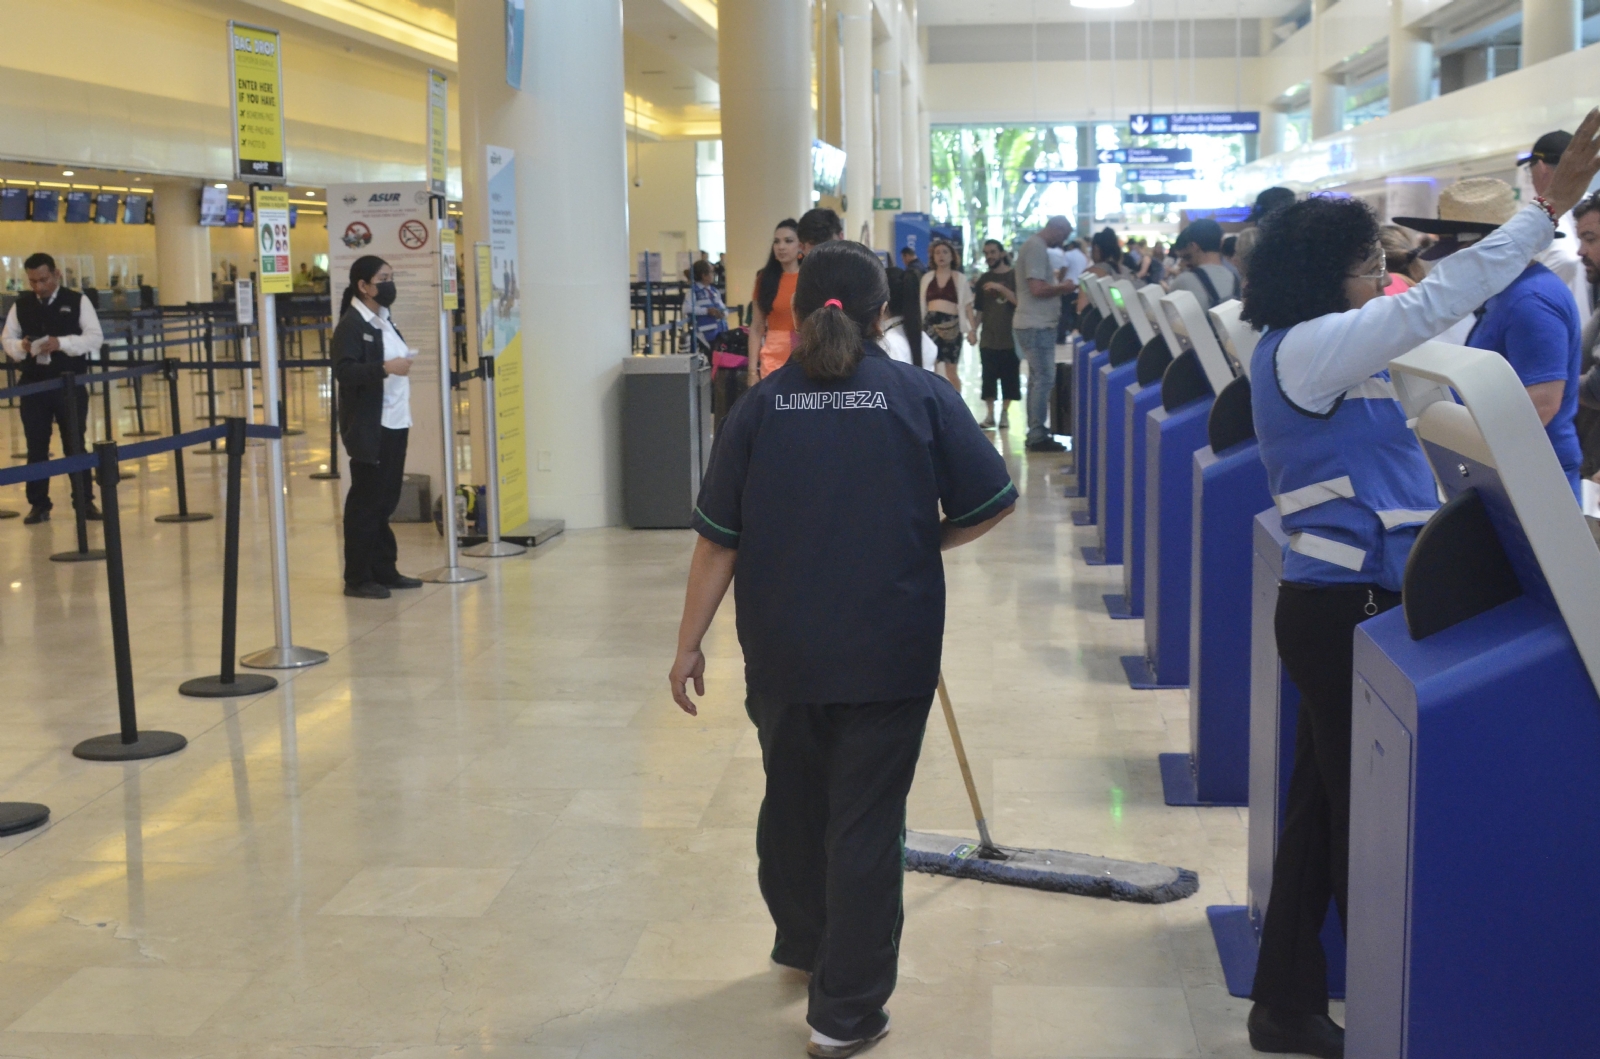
pixel 709 208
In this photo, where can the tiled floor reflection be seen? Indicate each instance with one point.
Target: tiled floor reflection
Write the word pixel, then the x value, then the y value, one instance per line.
pixel 481 831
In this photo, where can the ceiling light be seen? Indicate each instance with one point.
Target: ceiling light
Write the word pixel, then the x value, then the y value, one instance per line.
pixel 1100 5
pixel 311 194
pixel 68 172
pixel 222 186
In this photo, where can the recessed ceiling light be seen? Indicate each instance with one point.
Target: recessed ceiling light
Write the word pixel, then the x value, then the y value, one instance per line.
pixel 1101 5
pixel 311 194
pixel 223 186
pixel 68 172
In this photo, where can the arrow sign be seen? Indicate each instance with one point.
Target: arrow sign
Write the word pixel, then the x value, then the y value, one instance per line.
pixel 1139 123
pixel 1146 156
pixel 1135 176
pixel 1213 124
pixel 1060 176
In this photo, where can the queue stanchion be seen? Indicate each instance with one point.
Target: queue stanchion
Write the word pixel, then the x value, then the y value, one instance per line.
pixel 494 547
pixel 283 654
pixel 183 514
pixel 332 473
pixel 451 573
pixel 230 683
pixel 128 744
pixel 72 446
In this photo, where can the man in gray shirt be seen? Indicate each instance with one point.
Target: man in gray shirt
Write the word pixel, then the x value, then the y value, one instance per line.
pixel 1038 309
pixel 1199 247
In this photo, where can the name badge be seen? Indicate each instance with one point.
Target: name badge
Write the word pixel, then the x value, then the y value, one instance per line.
pixel 366 338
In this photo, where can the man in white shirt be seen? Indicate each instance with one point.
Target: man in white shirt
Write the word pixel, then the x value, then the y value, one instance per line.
pixel 52 331
pixel 1561 256
pixel 1070 261
pixel 1038 310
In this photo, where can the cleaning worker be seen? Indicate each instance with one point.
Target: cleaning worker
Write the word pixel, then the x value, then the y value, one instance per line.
pixel 1353 488
pixel 822 504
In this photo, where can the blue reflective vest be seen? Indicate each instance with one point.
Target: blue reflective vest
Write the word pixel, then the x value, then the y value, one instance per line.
pixel 1352 484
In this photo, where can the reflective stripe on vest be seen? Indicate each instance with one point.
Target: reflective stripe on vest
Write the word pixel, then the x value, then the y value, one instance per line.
pixel 1314 494
pixel 1328 551
pixel 1403 517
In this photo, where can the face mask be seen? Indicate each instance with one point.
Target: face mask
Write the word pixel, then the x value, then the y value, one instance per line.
pixel 386 293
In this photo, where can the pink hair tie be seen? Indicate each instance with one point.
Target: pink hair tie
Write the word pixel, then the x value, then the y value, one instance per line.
pixel 835 302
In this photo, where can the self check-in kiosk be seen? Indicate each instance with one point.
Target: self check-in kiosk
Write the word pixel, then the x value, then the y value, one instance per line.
pixel 1173 434
pixel 1083 351
pixel 1474 815
pixel 1229 487
pixel 1138 400
pixel 1110 450
pixel 1274 723
pixel 1088 453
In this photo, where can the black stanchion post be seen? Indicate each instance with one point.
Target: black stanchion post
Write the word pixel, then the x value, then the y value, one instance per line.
pixel 184 514
pixel 129 744
pixel 72 444
pixel 332 473
pixel 229 683
pixel 105 396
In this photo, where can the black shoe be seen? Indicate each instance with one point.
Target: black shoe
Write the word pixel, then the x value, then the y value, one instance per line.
pixel 1281 1032
pixel 37 514
pixel 400 581
pixel 366 590
pixel 92 513
pixel 1046 445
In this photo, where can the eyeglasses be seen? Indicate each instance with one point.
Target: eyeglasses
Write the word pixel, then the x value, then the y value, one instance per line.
pixel 1382 269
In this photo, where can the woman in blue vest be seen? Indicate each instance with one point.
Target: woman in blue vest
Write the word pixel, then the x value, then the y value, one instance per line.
pixel 1353 488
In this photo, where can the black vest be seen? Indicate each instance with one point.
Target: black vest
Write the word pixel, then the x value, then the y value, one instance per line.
pixel 58 319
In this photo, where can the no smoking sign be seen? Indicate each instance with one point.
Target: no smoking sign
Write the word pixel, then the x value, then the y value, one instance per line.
pixel 413 235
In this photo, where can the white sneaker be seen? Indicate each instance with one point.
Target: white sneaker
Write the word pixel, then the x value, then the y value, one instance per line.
pixel 822 1046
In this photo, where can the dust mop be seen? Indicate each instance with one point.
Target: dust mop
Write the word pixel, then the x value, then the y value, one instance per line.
pixel 1040 869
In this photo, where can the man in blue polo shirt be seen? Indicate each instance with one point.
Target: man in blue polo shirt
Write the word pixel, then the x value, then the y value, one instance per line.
pixel 822 506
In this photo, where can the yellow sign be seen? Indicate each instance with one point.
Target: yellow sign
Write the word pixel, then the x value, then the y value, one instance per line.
pixel 483 288
pixel 513 447
pixel 257 69
pixel 272 242
pixel 438 138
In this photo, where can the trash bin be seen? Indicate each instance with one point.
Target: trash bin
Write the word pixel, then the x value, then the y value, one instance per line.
pixel 666 437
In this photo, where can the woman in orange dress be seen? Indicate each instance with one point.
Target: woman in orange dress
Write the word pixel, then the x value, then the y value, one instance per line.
pixel 772 330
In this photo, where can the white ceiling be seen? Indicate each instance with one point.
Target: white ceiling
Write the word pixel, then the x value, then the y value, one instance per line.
pixel 992 12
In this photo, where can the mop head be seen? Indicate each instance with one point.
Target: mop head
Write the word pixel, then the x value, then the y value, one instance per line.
pixel 1049 869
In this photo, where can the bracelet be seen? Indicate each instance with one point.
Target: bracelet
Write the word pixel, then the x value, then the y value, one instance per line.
pixel 1549 210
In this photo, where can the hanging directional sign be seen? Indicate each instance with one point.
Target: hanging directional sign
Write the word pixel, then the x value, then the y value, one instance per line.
pixel 1216 124
pixel 1135 176
pixel 1154 199
pixel 1146 156
pixel 1060 176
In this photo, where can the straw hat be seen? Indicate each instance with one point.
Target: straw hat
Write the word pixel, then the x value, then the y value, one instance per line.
pixel 1468 210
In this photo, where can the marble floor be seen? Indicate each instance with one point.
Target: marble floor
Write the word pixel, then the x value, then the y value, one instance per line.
pixel 482 829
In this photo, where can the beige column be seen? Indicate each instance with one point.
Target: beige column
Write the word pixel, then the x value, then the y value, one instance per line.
pixel 1550 28
pixel 891 185
pixel 183 247
pixel 857 81
pixel 911 162
pixel 1274 127
pixel 566 127
pixel 764 66
pixel 1327 90
pixel 1410 62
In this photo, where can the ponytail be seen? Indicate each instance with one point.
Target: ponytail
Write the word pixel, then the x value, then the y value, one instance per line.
pixel 362 269
pixel 838 299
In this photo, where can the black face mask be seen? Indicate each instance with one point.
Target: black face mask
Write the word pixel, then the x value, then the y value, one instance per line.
pixel 386 293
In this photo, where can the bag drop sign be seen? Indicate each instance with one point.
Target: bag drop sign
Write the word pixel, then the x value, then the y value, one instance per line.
pixel 256 67
pixel 272 242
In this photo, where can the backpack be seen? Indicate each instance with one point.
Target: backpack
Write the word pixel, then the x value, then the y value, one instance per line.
pixel 1211 288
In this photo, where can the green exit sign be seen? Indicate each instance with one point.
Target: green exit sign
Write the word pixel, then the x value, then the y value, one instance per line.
pixel 885 204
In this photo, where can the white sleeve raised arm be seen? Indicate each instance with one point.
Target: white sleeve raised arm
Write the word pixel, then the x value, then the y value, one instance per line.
pixel 1322 358
pixel 11 337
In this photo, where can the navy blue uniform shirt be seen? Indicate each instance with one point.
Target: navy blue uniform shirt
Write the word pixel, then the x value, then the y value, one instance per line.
pixel 1534 324
pixel 832 494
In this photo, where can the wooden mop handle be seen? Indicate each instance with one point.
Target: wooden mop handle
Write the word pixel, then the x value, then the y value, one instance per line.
pixel 961 759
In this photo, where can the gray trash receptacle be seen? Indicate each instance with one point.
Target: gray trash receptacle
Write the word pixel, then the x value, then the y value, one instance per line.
pixel 666 437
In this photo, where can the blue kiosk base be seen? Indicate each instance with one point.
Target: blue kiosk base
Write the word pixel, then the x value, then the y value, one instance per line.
pixel 1180 786
pixel 1118 607
pixel 1142 675
pixel 1238 950
pixel 1094 555
pixel 1082 518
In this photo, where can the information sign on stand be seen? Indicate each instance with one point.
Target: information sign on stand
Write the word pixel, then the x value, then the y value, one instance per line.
pixel 256 68
pixel 505 301
pixel 449 273
pixel 272 242
pixel 438 135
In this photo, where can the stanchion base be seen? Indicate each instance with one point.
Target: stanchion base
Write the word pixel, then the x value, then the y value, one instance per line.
pixel 202 451
pixel 193 516
pixel 10 514
pixel 17 817
pixel 141 433
pixel 324 476
pixel 285 658
pixel 214 688
pixel 112 748
pixel 452 575
pixel 494 550
pixel 292 432
pixel 94 555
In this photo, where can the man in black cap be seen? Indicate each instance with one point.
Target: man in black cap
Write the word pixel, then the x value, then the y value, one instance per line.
pixel 52 331
pixel 1270 201
pixel 1561 256
pixel 1204 274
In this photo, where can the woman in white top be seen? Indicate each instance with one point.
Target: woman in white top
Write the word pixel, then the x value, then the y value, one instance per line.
pixel 371 362
pixel 946 305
